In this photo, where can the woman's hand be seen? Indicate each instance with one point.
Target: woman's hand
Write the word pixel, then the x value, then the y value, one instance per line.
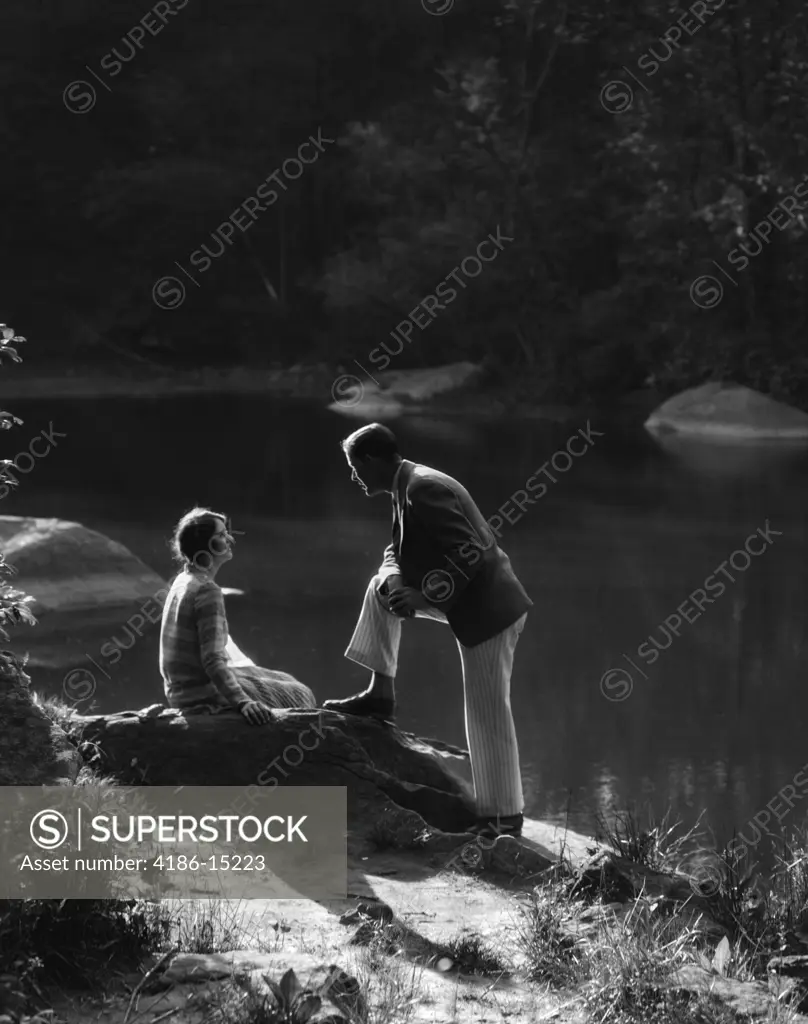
pixel 255 713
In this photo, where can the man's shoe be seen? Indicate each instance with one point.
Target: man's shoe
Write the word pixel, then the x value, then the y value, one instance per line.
pixel 493 827
pixel 364 705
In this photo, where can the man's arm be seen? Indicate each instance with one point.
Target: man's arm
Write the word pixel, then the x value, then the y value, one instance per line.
pixel 438 510
pixel 389 570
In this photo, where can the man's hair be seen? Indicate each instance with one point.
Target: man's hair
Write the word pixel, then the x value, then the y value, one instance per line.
pixel 374 441
pixel 191 541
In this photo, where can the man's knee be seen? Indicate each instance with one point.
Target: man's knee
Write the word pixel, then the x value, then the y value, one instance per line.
pixel 377 586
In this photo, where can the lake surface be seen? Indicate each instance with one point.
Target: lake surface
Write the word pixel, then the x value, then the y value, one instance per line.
pixel 717 723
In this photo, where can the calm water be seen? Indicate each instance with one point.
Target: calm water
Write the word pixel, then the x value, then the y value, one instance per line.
pixel 716 723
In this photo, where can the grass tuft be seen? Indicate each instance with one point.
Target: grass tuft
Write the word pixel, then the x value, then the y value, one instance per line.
pixel 57 710
pixel 473 955
pixel 655 845
pixel 551 953
pixel 390 987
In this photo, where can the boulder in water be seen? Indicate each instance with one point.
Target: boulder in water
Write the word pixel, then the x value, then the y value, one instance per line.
pixel 395 391
pixel 69 568
pixel 728 412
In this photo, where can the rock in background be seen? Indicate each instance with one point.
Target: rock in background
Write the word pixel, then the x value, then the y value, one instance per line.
pixel 71 569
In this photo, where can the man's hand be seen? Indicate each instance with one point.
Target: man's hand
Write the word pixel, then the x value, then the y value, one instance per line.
pixel 405 601
pixel 255 713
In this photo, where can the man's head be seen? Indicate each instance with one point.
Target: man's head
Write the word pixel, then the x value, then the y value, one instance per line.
pixel 372 453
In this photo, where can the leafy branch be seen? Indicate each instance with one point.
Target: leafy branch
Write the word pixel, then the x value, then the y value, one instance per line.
pixel 14 603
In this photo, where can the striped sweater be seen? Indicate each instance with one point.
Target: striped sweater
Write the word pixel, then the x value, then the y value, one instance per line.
pixel 194 661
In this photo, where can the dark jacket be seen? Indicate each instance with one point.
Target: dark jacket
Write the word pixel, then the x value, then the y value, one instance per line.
pixel 443 546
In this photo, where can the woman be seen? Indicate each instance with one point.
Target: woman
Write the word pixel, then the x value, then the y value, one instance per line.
pixel 202 668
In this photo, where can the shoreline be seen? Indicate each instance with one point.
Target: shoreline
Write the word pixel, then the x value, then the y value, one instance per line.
pixel 304 383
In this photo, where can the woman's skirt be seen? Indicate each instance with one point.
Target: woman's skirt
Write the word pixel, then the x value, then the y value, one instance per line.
pixel 274 688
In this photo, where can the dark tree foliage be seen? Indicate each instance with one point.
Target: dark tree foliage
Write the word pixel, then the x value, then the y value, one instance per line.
pixel 14 604
pixel 497 114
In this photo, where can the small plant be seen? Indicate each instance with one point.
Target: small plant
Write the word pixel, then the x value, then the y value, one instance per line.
pixel 551 954
pixel 57 710
pixel 295 1004
pixel 68 942
pixel 472 955
pixel 286 1003
pixel 211 926
pixel 389 986
pixel 760 921
pixel 655 846
pixel 204 930
pixel 630 965
pixel 730 889
pixel 790 889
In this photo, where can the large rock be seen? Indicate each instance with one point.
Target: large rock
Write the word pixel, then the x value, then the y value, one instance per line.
pixel 380 766
pixel 68 568
pixel 729 412
pixel 620 879
pixel 396 391
pixel 34 751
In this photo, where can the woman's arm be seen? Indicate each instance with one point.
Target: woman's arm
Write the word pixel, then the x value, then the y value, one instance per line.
pixel 211 628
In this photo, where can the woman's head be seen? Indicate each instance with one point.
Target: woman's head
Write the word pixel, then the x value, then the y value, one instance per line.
pixel 202 540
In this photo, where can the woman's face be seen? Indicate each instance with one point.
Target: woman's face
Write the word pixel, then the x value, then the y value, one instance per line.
pixel 221 543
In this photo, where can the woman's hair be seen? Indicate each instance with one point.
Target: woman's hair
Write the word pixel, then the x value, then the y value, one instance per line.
pixel 191 540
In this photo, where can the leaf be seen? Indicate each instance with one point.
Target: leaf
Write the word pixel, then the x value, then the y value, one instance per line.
pixel 290 986
pixel 306 1008
pixel 721 957
pixel 275 989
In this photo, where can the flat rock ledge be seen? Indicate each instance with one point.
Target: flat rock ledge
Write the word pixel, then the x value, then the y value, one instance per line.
pixel 403 792
pixel 159 746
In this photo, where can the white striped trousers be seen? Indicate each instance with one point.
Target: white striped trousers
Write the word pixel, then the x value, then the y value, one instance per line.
pixel 490 730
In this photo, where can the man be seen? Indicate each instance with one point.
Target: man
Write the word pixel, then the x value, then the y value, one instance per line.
pixel 443 563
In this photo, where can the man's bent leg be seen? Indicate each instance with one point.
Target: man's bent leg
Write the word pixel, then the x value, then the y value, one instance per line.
pixel 490 729
pixel 377 635
pixel 374 645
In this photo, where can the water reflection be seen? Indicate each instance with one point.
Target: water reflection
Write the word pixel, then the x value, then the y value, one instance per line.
pixel 732 460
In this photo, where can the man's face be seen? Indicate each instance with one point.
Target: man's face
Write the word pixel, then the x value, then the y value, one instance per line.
pixel 363 473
